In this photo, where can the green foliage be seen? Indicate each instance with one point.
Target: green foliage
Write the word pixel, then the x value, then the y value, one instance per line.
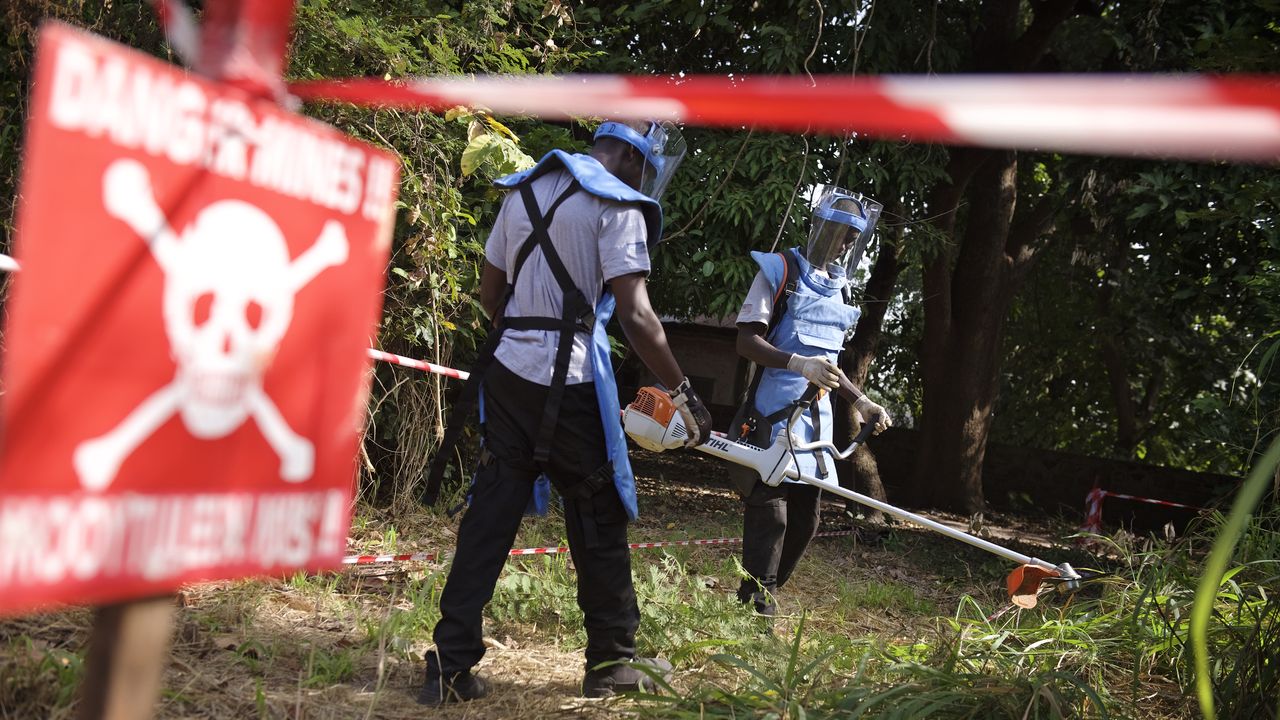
pixel 1236 654
pixel 1132 335
pixel 407 624
pixel 447 163
pixel 542 592
pixel 51 678
pixel 878 595
pixel 679 615
pixel 1151 299
pixel 328 667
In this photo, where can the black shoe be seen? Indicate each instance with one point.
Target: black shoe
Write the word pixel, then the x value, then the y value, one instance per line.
pixel 461 687
pixel 625 677
pixel 761 601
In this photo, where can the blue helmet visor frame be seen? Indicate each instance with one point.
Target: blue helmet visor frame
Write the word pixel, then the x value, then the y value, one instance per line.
pixel 662 146
pixel 842 225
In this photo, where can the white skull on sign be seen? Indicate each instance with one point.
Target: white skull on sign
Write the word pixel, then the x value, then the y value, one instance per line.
pixel 228 301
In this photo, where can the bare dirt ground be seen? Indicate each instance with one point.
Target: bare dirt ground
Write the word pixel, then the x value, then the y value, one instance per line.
pixel 319 647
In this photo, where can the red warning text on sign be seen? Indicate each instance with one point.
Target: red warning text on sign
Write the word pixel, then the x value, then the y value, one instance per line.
pixel 184 364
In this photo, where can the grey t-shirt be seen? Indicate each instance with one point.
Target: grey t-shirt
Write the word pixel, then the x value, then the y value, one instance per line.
pixel 758 305
pixel 596 239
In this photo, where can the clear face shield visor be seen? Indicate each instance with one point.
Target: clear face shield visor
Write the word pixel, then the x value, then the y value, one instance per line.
pixel 663 148
pixel 843 222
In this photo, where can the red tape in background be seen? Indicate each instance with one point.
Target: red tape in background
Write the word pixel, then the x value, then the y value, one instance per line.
pixel 1186 117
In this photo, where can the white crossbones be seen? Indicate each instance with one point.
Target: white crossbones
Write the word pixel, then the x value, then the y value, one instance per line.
pixel 229 288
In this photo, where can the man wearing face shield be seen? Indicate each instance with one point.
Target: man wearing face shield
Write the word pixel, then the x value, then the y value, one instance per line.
pixel 792 325
pixel 570 244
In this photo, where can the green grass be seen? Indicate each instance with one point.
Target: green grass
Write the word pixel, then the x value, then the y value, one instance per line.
pixel 915 629
pixel 878 595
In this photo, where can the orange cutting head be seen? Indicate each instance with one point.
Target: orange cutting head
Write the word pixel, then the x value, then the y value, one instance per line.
pixel 1024 583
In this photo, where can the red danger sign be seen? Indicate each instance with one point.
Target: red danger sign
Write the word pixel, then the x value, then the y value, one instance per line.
pixel 184 369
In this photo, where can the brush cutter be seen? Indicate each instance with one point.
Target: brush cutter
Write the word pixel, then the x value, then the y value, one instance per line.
pixel 654 424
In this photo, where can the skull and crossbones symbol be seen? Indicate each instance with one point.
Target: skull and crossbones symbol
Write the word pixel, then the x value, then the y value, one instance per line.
pixel 229 289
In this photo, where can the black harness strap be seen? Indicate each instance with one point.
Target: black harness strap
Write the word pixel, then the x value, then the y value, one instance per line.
pixel 460 412
pixel 575 313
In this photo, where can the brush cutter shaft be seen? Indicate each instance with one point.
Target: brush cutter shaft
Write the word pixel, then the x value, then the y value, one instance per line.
pixel 652 421
pixel 934 525
pixel 861 499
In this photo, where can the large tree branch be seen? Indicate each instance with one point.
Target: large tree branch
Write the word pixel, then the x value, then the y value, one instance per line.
pixel 999 23
pixel 1026 52
pixel 978 275
pixel 1113 359
pixel 875 301
pixel 944 203
pixel 1027 231
pixel 1155 384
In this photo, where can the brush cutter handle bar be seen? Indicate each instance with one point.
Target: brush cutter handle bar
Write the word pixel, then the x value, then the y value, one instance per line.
pixel 934 525
pixel 867 429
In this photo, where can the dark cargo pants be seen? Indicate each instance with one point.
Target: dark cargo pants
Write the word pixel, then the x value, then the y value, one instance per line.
pixel 777 525
pixel 595 521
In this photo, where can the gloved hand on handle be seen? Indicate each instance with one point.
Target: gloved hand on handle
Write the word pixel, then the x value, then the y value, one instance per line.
pixel 870 411
pixel 696 417
pixel 817 370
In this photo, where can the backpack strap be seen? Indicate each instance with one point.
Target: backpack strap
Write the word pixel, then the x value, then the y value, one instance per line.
pixel 786 288
pixel 745 419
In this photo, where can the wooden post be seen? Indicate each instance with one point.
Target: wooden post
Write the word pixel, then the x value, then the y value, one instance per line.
pixel 128 651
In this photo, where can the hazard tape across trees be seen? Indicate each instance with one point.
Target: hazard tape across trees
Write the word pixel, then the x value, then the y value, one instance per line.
pixel 1189 117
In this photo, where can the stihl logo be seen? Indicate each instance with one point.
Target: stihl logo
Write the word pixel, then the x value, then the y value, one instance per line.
pixel 718 444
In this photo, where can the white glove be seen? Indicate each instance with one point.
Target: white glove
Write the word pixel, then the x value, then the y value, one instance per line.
pixel 817 370
pixel 871 411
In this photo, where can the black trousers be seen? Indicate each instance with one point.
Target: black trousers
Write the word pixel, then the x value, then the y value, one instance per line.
pixel 777 525
pixel 595 521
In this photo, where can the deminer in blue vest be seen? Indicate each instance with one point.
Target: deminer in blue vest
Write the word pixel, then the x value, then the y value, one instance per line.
pixel 570 244
pixel 793 325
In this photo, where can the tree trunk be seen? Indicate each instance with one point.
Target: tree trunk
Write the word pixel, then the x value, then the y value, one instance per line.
pixel 1133 414
pixel 938 454
pixel 970 281
pixel 863 474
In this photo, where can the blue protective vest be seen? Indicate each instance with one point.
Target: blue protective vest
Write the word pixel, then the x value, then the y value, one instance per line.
pixel 598 181
pixel 815 324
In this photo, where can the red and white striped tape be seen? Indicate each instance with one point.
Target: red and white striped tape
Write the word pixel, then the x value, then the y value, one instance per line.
pixel 1093 507
pixel 1093 511
pixel 429 557
pixel 1153 501
pixel 1187 116
pixel 418 364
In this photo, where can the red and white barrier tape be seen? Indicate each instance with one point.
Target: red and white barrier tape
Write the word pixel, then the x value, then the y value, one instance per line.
pixel 1093 507
pixel 428 557
pixel 1093 512
pixel 418 364
pixel 8 264
pixel 1153 501
pixel 1188 116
